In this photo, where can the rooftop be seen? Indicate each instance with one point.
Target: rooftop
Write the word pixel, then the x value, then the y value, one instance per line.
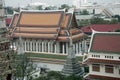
pixel 45 24
pixel 101 28
pixel 105 42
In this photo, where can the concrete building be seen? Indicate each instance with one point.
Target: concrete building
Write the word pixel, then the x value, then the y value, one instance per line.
pixel 103 57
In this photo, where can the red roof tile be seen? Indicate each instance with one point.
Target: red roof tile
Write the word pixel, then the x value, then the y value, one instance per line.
pixel 106 42
pixel 8 20
pixel 101 28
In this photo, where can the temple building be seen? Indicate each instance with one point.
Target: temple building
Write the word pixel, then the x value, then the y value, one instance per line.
pixel 104 56
pixel 47 31
pixel 6 54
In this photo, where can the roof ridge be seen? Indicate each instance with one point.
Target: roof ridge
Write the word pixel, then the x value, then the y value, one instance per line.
pixel 42 10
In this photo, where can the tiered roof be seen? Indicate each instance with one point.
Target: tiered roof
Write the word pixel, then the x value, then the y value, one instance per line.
pixel 50 25
pixel 14 22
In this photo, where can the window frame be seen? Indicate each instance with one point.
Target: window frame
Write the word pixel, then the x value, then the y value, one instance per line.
pixel 96 67
pixel 109 69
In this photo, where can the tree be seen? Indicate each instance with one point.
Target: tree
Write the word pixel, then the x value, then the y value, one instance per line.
pixel 40 7
pixel 84 12
pixel 118 30
pixel 53 75
pixel 97 20
pixel 114 21
pixel 24 67
pixel 83 22
pixel 118 17
pixel 9 10
pixel 64 6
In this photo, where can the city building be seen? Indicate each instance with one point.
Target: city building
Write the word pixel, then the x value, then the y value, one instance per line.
pixel 103 56
pixel 47 31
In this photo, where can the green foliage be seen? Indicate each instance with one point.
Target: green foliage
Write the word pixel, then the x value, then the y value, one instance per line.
pixel 23 66
pixel 52 75
pixel 64 6
pixel 73 77
pixel 86 68
pixel 55 75
pixel 117 30
pixel 114 21
pixel 51 8
pixel 102 21
pixel 9 10
pixel 40 7
pixel 84 12
pixel 118 17
pixel 83 22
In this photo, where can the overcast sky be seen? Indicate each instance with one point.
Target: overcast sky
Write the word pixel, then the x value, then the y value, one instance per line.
pixel 17 3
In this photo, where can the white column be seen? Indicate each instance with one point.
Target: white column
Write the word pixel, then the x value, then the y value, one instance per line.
pixel 63 48
pixel 80 48
pixel 14 45
pixel 66 48
pixel 36 46
pixel 45 46
pixel 55 48
pixel 48 47
pixel 58 47
pixel 76 48
pixel 86 50
pixel 102 68
pixel 51 47
pixel 30 45
pixel 42 46
pixel 25 44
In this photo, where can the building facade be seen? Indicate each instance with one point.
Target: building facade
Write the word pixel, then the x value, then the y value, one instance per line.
pixel 104 56
pixel 47 32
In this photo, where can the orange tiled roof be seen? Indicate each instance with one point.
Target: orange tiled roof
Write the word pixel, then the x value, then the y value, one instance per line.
pixel 36 30
pixel 43 19
pixel 46 25
pixel 13 22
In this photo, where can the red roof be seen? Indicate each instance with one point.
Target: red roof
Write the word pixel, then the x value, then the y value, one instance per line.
pixel 101 28
pixel 8 20
pixel 106 42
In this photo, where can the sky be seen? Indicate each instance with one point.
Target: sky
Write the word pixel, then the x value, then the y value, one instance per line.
pixel 20 3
